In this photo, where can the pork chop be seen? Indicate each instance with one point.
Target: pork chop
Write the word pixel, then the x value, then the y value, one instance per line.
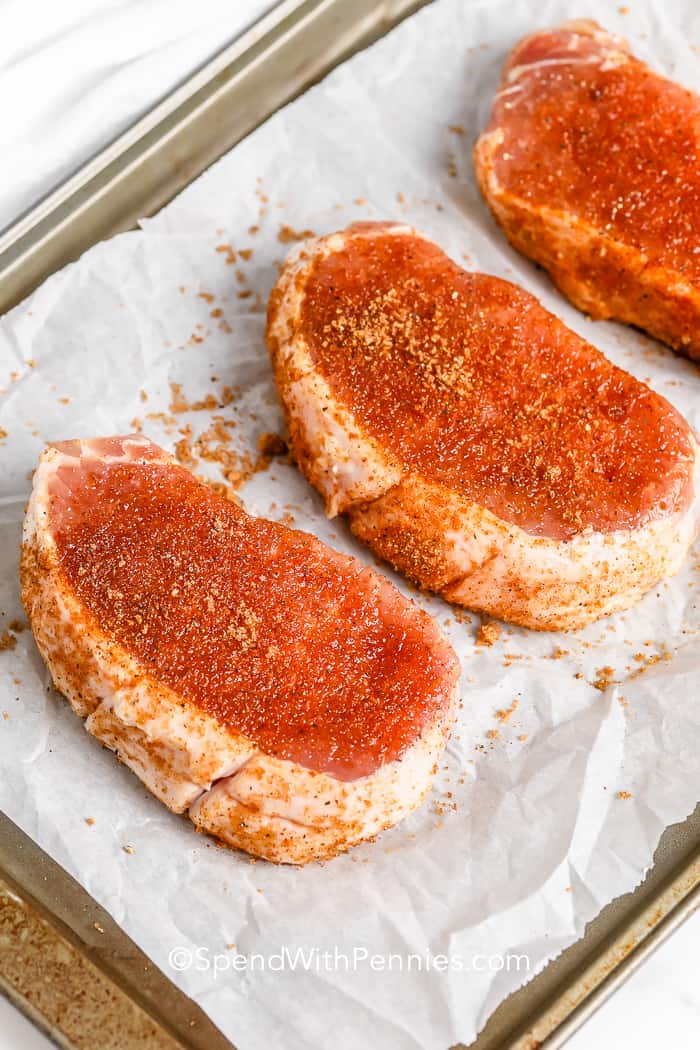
pixel 591 164
pixel 287 697
pixel 474 441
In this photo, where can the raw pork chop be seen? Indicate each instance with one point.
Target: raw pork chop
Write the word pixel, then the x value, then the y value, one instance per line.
pixel 286 696
pixel 591 163
pixel 475 442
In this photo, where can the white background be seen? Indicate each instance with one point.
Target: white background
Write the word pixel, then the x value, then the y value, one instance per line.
pixel 73 76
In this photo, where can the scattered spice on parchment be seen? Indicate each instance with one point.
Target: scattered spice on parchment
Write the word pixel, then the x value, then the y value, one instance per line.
pixel 488 633
pixel 504 715
pixel 228 252
pixel 287 234
pixel 7 641
pixel 604 678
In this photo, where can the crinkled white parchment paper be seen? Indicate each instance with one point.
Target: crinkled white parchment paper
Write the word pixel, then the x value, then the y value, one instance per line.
pixel 534 838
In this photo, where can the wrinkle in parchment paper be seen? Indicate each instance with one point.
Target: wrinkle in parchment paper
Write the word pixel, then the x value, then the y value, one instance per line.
pixel 572 752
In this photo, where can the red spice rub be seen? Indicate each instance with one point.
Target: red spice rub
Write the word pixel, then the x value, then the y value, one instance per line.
pixel 469 382
pixel 612 142
pixel 314 657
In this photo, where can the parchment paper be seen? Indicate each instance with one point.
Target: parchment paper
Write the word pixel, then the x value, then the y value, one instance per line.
pixel 543 813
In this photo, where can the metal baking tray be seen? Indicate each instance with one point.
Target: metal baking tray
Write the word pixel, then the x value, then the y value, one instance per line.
pixel 63 960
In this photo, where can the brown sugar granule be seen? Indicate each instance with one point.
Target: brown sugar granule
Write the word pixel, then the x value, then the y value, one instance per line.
pixel 17 626
pixel 624 794
pixel 177 402
pixel 246 254
pixel 287 234
pixel 456 129
pixel 183 450
pixel 216 312
pixel 3 433
pixel 228 252
pixel 89 821
pixel 647 660
pixel 207 296
pixel 252 230
pixel 7 641
pixel 205 404
pixel 504 715
pixel 245 628
pixel 488 633
pixel 493 734
pixel 604 678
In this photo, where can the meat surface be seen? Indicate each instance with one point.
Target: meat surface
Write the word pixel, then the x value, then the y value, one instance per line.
pixel 286 696
pixel 591 164
pixel 474 441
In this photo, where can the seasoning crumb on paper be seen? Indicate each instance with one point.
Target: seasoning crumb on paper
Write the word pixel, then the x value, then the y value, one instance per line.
pixel 287 234
pixel 605 677
pixel 7 641
pixel 228 252
pixel 488 633
pixel 504 715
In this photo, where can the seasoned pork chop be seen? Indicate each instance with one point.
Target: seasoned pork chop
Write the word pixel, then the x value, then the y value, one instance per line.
pixel 475 442
pixel 286 696
pixel 591 163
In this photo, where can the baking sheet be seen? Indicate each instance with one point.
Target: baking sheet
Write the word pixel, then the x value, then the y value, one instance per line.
pixel 107 61
pixel 543 814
